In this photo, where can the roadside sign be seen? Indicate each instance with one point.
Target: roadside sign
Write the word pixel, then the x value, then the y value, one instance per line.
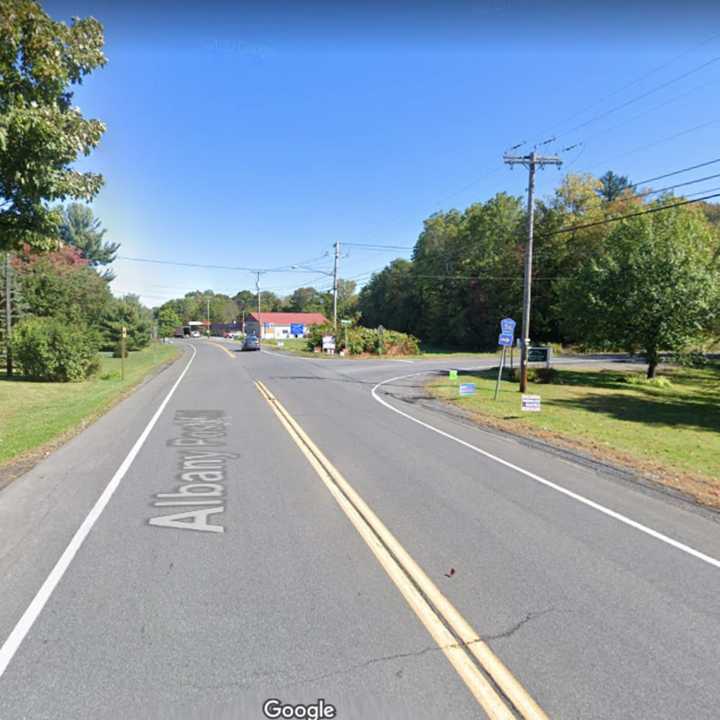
pixel 505 339
pixel 539 355
pixel 507 325
pixel 530 403
pixel 466 389
pixel 328 342
pixel 297 329
pixel 452 374
pixel 346 323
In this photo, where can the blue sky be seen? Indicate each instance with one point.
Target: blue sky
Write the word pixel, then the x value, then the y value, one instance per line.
pixel 258 134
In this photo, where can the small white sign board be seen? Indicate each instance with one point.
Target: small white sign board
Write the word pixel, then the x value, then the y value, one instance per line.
pixel 530 403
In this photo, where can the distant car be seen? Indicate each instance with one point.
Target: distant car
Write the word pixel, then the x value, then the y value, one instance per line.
pixel 195 333
pixel 251 343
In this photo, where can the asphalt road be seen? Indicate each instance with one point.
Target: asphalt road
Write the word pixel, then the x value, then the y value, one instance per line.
pixel 124 597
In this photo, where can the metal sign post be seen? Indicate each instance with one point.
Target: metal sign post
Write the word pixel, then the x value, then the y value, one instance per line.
pixel 505 340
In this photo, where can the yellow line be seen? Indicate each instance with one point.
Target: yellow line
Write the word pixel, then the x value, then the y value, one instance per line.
pixel 218 345
pixel 409 577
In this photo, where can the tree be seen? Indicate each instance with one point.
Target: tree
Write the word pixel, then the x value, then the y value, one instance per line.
pixel 246 301
pixel 130 313
pixel 60 284
pixel 82 230
pixel 654 287
pixel 305 299
pixel 41 132
pixel 168 319
pixel 613 186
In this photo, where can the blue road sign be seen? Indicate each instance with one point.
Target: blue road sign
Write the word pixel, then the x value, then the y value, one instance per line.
pixel 507 325
pixel 297 329
pixel 505 339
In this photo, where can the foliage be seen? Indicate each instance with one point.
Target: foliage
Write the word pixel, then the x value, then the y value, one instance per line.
pixel 61 284
pixel 168 320
pixel 41 132
pixel 613 186
pixel 82 230
pixel 359 340
pixel 126 312
pixel 47 348
pixel 306 299
pixel 653 287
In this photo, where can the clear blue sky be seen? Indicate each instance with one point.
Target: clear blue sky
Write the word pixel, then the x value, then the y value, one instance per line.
pixel 256 135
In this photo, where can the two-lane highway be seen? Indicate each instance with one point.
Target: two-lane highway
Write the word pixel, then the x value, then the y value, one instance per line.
pixel 251 526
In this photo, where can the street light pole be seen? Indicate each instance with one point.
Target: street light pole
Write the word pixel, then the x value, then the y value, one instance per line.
pixel 531 161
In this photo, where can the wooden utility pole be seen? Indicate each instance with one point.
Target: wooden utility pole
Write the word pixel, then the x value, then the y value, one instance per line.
pixel 531 162
pixel 335 283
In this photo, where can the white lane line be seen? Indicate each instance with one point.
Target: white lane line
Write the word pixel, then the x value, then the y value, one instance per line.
pixel 21 629
pixel 548 483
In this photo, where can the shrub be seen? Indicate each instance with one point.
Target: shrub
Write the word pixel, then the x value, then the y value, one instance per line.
pixel 47 348
pixel 642 379
pixel 362 340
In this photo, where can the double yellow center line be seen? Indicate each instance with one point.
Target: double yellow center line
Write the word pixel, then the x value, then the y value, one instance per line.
pixel 488 679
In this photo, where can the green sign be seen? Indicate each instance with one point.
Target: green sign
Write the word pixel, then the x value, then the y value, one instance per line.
pixel 453 374
pixel 539 355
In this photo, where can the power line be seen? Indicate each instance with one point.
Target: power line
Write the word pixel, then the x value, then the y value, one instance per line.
pixel 624 87
pixel 215 267
pixel 640 97
pixel 377 246
pixel 675 172
pixel 661 141
pixel 630 215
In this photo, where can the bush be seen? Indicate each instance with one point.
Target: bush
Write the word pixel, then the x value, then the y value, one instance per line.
pixel 542 375
pixel 365 341
pixel 642 379
pixel 48 348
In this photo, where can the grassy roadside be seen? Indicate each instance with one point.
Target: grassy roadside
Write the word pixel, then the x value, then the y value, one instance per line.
pixel 670 433
pixel 37 414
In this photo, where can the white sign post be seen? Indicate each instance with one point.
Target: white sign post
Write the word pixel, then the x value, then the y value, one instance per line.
pixel 530 403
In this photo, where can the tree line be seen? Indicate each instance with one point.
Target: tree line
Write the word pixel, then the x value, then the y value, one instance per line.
pixel 222 308
pixel 647 283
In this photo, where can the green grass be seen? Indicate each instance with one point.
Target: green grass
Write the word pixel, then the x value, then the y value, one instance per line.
pixel 36 413
pixel 676 427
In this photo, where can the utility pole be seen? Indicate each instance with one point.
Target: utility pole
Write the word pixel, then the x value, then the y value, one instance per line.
pixel 257 288
pixel 531 162
pixel 207 299
pixel 8 314
pixel 335 283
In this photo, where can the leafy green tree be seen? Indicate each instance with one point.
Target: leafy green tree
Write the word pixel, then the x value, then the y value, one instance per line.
pixel 387 298
pixel 126 312
pixel 305 299
pixel 654 286
pixel 41 132
pixel 613 186
pixel 60 284
pixel 83 231
pixel 168 320
pixel 246 301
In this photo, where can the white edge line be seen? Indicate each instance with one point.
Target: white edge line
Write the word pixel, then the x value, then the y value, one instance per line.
pixel 548 483
pixel 22 627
